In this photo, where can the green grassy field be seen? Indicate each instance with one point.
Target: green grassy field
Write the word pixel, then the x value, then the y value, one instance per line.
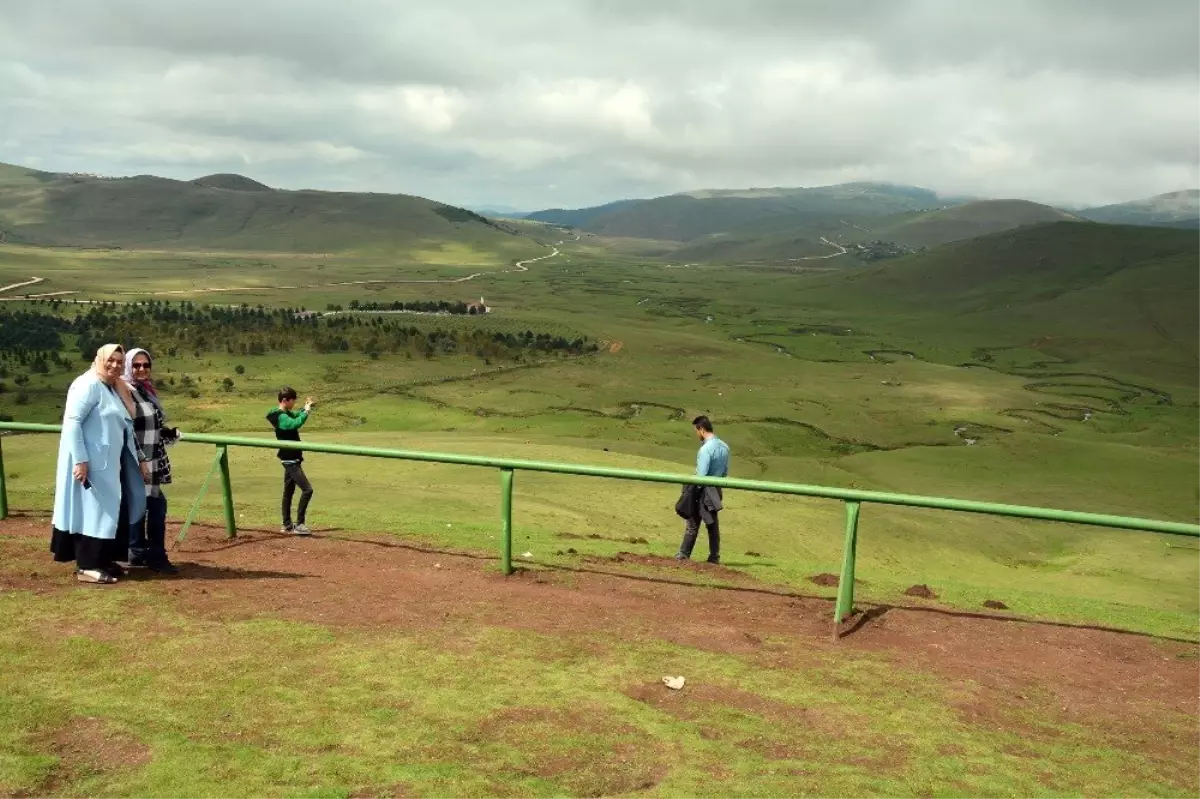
pixel 883 402
pixel 1065 353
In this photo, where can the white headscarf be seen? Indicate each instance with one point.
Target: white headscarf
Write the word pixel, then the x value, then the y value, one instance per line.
pixel 151 395
pixel 99 368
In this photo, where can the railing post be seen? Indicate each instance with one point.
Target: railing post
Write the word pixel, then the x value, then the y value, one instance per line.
pixel 3 486
pixel 506 488
pixel 845 595
pixel 227 493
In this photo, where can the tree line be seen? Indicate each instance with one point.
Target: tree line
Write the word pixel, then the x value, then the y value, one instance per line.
pixel 36 337
pixel 416 306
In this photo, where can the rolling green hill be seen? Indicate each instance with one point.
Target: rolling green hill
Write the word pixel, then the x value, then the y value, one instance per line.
pixel 932 228
pixel 233 212
pixel 231 182
pixel 798 236
pixel 578 217
pixel 1117 298
pixel 1175 209
pixel 690 216
pixel 753 248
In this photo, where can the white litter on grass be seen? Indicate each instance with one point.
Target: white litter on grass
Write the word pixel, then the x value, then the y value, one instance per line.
pixel 674 683
pixel 527 555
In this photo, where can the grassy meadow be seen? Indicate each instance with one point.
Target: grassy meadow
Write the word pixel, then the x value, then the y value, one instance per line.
pixel 1043 387
pixel 807 381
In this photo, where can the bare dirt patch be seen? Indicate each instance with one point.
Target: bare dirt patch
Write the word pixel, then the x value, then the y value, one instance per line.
pixel 89 746
pixel 693 566
pixel 923 591
pixel 598 537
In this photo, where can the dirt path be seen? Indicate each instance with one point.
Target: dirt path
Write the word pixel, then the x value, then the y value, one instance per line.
pixel 374 581
pixel 519 266
pixel 842 251
pixel 33 281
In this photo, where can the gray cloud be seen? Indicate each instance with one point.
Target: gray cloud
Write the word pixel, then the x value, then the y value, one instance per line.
pixel 572 103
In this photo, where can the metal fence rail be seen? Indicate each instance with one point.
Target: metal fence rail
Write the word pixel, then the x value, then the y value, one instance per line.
pixel 853 499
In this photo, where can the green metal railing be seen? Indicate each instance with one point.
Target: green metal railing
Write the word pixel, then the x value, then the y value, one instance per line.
pixel 853 498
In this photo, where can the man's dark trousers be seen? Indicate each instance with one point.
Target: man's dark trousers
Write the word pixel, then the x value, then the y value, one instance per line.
pixel 692 529
pixel 293 477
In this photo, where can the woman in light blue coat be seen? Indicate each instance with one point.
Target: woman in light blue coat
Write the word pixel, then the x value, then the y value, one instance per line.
pixel 100 482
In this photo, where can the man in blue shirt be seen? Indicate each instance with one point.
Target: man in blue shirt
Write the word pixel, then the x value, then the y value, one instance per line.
pixel 711 461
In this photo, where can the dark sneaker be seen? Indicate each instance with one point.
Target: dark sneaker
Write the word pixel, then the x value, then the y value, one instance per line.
pixel 115 570
pixel 166 567
pixel 287 529
pixel 137 563
pixel 714 561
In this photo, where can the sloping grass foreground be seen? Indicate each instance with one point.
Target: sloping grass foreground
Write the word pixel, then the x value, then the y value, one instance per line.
pixel 111 694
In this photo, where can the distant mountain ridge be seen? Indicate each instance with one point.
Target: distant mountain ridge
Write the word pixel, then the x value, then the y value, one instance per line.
pixel 1173 209
pixel 579 217
pixel 232 212
pixel 691 215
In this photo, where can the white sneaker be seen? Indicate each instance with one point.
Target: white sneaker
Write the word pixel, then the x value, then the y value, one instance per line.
pixel 301 529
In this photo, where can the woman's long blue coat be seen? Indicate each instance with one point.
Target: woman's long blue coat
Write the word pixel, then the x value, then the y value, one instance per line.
pixel 96 429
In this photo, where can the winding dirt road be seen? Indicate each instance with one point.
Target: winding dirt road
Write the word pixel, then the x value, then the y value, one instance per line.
pixel 825 257
pixel 33 281
pixel 519 266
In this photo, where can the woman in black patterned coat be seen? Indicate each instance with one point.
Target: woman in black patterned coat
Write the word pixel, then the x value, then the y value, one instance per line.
pixel 147 537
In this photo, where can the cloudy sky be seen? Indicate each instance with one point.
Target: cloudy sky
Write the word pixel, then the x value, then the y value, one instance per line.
pixel 544 103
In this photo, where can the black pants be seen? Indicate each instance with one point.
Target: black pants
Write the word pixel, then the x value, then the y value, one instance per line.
pixel 148 536
pixel 714 538
pixel 293 476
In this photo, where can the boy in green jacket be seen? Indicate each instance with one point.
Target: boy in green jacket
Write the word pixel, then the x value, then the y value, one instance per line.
pixel 287 424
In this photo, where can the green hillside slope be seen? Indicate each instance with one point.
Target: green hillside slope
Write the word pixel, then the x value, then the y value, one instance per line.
pixel 233 212
pixel 752 248
pixel 798 235
pixel 1118 298
pixel 932 228
pixel 686 217
pixel 578 217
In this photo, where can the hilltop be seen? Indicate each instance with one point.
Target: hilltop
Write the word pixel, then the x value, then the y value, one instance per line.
pixel 232 212
pixel 967 221
pixel 1174 209
pixel 225 180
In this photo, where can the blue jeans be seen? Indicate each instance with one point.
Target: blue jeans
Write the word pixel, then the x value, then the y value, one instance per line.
pixel 148 535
